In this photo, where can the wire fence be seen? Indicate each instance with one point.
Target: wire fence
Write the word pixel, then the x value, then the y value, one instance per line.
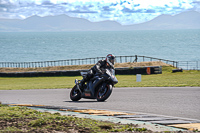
pixel 119 59
pixel 189 65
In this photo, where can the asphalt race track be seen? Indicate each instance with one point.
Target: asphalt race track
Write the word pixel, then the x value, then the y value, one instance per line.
pixel 170 101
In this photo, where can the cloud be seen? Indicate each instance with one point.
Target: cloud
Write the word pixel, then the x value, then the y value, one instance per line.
pixel 122 11
pixel 197 5
pixel 79 11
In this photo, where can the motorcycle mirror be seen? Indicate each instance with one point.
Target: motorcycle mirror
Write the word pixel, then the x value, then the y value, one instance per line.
pixel 76 81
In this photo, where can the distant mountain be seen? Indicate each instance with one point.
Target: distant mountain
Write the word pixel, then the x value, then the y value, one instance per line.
pixel 186 20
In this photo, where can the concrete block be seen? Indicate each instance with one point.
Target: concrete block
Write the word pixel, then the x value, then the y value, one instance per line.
pixel 169 122
pixel 152 119
pixel 134 116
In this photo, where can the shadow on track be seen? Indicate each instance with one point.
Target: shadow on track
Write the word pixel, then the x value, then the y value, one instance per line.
pixel 83 101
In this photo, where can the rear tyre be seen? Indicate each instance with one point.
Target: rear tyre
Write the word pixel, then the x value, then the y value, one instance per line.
pixel 104 93
pixel 75 94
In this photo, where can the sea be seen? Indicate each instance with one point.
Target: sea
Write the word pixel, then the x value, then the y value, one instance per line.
pixel 175 45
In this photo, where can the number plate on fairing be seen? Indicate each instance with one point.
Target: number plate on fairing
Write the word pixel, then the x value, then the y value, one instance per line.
pixel 87 94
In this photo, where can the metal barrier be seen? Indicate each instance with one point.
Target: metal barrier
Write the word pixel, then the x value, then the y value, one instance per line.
pixel 119 59
pixel 189 65
pixel 50 63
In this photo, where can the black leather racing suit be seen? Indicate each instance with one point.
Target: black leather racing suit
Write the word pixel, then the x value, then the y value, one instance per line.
pixel 98 68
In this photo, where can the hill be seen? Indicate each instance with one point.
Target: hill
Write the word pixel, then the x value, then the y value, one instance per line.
pixel 185 20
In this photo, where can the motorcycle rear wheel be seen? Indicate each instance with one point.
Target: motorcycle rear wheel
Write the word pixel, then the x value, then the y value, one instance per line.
pixel 104 93
pixel 75 94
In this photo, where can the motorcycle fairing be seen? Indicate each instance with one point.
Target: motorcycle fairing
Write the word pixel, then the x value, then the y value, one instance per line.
pixel 92 85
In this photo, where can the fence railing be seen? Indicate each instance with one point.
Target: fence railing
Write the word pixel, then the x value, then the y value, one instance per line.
pixel 189 65
pixel 119 59
pixel 50 63
pixel 139 58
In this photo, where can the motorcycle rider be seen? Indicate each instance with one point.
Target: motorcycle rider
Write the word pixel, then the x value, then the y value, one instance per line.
pixel 98 68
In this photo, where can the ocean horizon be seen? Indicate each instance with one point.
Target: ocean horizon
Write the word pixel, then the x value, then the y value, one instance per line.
pixel 176 45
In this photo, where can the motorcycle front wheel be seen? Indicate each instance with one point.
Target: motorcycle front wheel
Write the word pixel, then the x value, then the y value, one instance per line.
pixel 75 94
pixel 104 93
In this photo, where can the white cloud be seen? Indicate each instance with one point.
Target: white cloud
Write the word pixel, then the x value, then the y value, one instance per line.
pixel 123 11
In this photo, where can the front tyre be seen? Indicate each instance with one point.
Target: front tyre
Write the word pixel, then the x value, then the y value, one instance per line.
pixel 75 94
pixel 104 93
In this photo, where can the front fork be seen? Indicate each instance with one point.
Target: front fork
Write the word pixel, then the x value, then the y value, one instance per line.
pixel 77 84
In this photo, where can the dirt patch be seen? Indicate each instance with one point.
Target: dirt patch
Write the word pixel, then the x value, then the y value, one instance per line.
pixel 81 67
pixel 139 64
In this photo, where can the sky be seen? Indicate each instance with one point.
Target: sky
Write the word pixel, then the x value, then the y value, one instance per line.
pixel 125 12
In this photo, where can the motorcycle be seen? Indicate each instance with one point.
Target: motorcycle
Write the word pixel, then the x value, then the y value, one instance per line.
pixel 99 87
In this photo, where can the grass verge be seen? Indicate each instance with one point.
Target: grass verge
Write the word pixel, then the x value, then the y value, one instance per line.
pixel 22 119
pixel 166 79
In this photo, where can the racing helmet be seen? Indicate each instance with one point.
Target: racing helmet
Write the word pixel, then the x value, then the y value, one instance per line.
pixel 110 59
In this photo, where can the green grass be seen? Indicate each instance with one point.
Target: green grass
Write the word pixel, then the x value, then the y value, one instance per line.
pixel 166 79
pixel 22 119
pixel 36 83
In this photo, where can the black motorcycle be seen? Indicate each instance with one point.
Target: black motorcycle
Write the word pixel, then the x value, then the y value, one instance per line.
pixel 99 87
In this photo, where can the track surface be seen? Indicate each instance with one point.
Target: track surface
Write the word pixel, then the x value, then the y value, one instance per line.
pixel 171 101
